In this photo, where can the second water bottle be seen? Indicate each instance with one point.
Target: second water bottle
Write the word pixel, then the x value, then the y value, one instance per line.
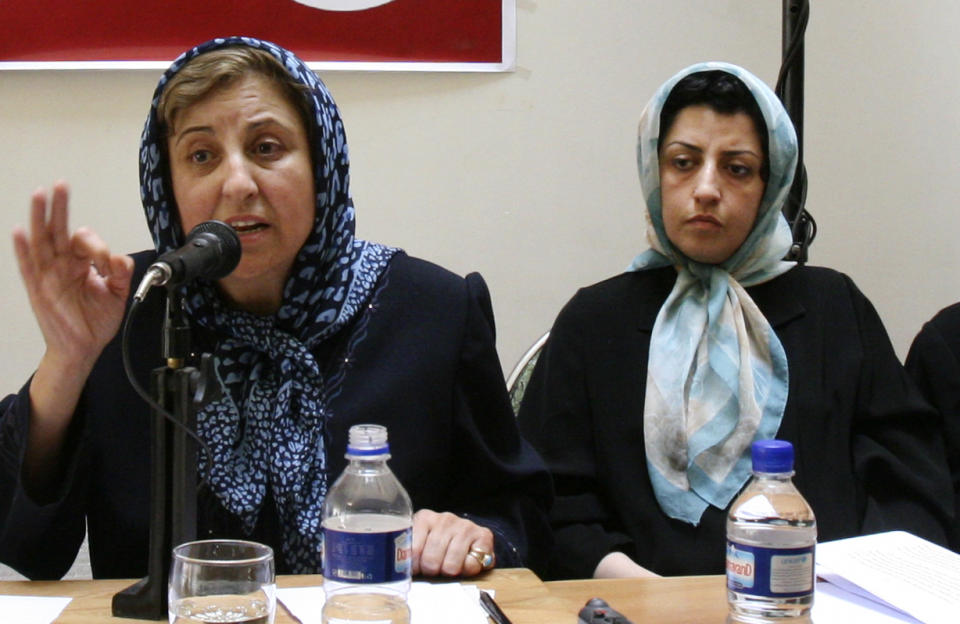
pixel 771 537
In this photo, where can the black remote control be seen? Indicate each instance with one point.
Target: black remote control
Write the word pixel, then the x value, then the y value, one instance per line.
pixel 597 611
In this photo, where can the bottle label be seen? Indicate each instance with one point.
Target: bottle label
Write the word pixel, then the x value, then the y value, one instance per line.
pixel 351 557
pixel 770 572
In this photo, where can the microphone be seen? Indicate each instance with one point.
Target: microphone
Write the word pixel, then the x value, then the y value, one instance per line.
pixel 212 251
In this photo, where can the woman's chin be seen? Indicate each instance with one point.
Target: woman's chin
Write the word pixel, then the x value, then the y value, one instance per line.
pixel 707 255
pixel 259 292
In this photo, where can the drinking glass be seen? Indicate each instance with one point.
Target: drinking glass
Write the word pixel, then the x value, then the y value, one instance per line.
pixel 222 581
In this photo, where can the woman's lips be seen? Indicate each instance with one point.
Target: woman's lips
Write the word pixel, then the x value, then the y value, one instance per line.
pixel 246 226
pixel 704 220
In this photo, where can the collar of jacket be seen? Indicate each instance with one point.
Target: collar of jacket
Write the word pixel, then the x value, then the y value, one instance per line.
pixel 774 298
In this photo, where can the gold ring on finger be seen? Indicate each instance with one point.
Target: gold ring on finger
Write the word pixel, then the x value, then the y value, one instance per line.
pixel 484 558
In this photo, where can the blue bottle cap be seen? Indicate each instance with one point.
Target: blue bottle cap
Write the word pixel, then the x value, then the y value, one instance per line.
pixel 367 441
pixel 772 456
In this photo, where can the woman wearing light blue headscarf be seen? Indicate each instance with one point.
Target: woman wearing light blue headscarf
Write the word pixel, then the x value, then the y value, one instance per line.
pixel 724 384
pixel 654 383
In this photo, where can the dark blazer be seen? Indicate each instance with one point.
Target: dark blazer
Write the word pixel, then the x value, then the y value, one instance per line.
pixel 421 360
pixel 934 362
pixel 868 453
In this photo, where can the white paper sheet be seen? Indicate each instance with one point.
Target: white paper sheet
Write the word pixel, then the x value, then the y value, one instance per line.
pixel 833 605
pixel 32 609
pixel 901 570
pixel 430 603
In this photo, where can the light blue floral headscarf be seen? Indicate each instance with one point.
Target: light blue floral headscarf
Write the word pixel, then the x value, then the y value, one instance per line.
pixel 267 431
pixel 717 373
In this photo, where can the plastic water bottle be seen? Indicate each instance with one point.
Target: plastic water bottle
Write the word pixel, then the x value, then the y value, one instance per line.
pixel 771 538
pixel 367 534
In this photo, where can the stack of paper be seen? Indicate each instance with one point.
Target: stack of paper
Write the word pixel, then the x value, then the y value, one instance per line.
pixel 892 576
pixel 429 603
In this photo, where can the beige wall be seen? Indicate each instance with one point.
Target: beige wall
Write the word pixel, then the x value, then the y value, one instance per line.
pixel 529 177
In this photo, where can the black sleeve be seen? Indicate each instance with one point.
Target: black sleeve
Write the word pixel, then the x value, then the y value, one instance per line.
pixel 493 457
pixel 555 416
pixel 40 532
pixel 897 449
pixel 934 363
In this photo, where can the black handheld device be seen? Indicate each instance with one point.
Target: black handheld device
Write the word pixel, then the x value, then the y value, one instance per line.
pixel 597 611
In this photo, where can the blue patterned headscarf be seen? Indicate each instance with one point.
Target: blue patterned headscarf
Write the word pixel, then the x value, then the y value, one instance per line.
pixel 717 373
pixel 267 431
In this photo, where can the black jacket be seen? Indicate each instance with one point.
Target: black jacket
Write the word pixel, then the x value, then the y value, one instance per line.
pixel 421 360
pixel 868 453
pixel 934 362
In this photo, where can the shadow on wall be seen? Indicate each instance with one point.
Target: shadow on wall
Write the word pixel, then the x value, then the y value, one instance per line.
pixel 79 570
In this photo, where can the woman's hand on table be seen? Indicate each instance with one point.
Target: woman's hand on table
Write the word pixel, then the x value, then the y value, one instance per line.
pixel 442 544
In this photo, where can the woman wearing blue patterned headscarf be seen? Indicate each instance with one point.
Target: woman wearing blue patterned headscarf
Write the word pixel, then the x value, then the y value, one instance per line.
pixel 314 331
pixel 654 383
pixel 301 278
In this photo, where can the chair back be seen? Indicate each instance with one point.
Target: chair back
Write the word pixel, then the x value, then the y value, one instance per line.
pixel 520 375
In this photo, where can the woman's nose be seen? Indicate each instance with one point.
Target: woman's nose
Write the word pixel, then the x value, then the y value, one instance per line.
pixel 707 187
pixel 239 183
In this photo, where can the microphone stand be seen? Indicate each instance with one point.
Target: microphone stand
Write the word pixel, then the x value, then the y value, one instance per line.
pixel 180 390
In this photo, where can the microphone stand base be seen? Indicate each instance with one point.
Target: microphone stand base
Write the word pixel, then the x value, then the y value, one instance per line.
pixel 144 600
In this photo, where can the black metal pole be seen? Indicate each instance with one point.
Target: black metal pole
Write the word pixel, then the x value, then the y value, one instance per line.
pixel 792 53
pixel 790 89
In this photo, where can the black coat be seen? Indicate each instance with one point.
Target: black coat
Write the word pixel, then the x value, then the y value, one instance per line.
pixel 934 362
pixel 421 360
pixel 868 453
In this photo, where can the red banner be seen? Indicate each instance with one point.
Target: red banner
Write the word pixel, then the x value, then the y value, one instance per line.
pixel 390 31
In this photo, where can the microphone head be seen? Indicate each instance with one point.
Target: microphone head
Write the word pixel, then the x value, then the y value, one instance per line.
pixel 225 238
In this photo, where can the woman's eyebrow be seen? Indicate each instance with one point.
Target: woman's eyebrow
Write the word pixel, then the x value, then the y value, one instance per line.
pixel 689 146
pixel 266 119
pixel 731 152
pixel 191 130
pixel 740 152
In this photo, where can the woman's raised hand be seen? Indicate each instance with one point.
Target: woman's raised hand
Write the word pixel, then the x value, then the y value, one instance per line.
pixel 77 288
pixel 78 292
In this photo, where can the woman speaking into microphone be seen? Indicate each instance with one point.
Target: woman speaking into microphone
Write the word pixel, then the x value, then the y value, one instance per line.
pixel 312 332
